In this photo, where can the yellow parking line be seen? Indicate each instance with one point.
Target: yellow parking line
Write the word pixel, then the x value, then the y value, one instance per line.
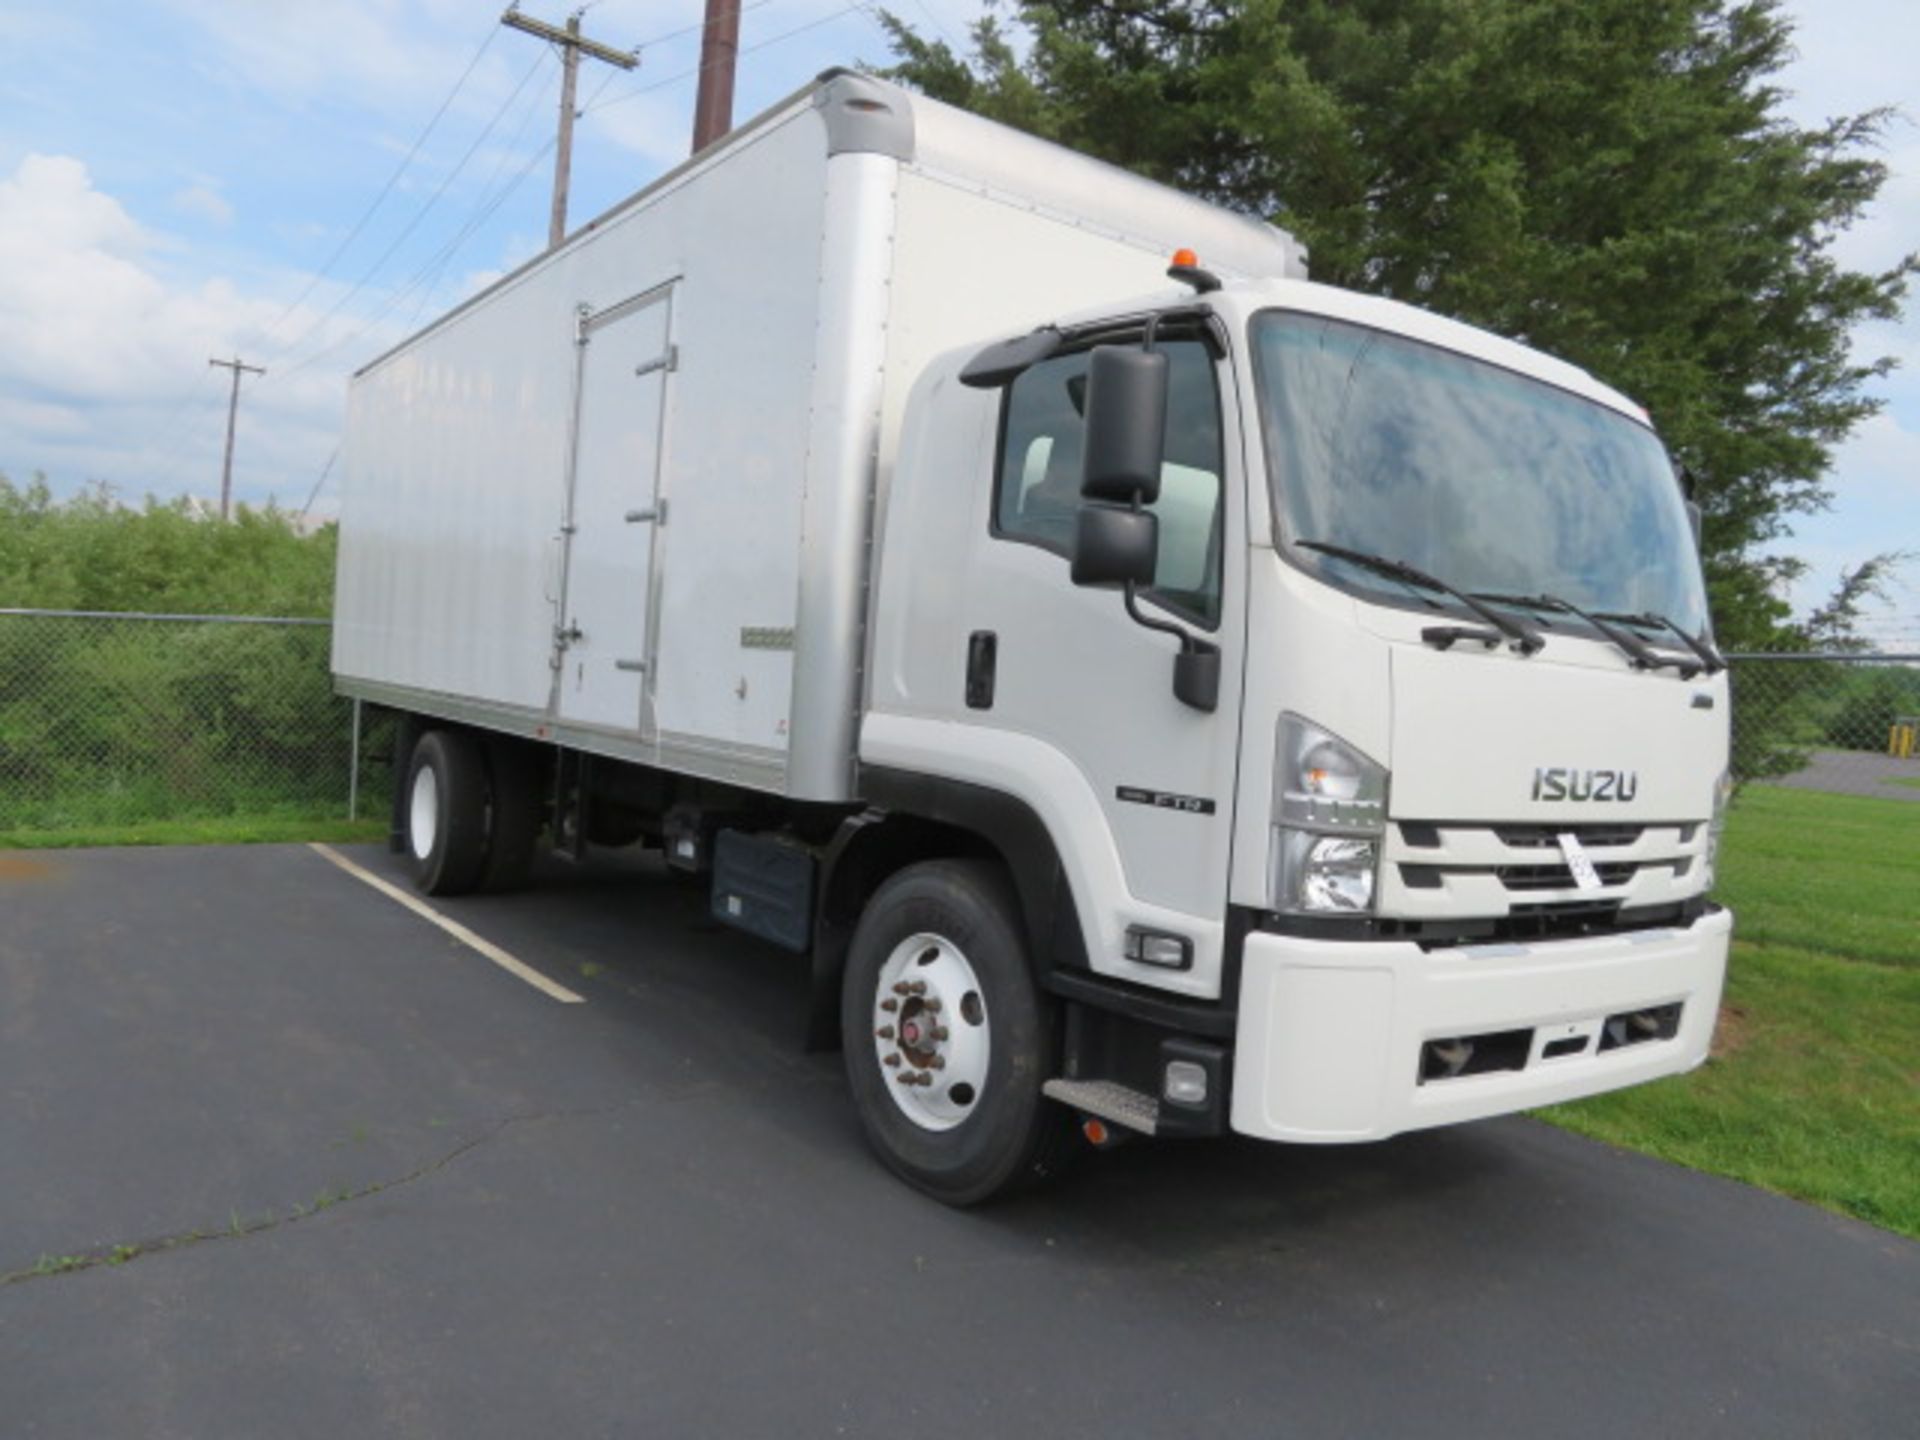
pixel 517 968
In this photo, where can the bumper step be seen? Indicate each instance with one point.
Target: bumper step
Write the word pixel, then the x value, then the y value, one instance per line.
pixel 1107 1100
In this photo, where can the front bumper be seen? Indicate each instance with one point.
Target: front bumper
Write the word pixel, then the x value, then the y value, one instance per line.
pixel 1332 1033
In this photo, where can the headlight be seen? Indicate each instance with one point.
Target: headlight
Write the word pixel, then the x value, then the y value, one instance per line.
pixel 1325 873
pixel 1722 797
pixel 1329 810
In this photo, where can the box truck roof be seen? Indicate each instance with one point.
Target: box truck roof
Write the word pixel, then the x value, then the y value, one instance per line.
pixel 864 115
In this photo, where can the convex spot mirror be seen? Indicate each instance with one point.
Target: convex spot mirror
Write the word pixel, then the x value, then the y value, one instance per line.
pixel 1113 545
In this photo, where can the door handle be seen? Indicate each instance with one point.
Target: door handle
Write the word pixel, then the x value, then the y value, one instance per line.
pixel 655 514
pixel 983 655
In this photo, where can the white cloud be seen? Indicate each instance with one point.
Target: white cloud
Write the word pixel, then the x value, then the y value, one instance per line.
pixel 104 371
pixel 203 202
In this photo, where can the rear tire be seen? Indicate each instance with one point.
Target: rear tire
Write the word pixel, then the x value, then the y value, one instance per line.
pixel 514 813
pixel 446 811
pixel 974 1125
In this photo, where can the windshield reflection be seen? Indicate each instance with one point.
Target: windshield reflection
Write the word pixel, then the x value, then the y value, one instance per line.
pixel 1484 477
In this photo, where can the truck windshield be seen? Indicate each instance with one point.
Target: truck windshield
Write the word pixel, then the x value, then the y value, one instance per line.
pixel 1503 484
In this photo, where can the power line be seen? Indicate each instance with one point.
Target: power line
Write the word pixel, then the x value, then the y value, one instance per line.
pixel 314 494
pixel 487 194
pixel 418 216
pixel 429 272
pixel 387 189
pixel 437 261
pixel 688 74
pixel 696 27
pixel 425 278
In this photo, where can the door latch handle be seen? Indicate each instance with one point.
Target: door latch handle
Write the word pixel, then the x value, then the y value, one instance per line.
pixel 655 514
pixel 983 654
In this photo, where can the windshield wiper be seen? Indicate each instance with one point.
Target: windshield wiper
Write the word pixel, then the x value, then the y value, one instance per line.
pixel 1525 638
pixel 1654 620
pixel 1643 655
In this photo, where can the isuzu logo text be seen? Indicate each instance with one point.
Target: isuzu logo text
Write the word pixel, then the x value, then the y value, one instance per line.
pixel 1560 783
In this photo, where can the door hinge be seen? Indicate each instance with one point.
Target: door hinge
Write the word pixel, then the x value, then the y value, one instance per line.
pixel 638 667
pixel 668 360
pixel 568 635
pixel 582 318
pixel 654 514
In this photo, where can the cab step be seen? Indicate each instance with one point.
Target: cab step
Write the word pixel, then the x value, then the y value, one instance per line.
pixel 1107 1100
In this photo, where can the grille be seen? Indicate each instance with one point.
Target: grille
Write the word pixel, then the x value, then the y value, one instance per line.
pixel 1559 877
pixel 1539 877
pixel 1546 837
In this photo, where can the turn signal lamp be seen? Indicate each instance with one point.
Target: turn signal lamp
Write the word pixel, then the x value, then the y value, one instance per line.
pixel 1185 259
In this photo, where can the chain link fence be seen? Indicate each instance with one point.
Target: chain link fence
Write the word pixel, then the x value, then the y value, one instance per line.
pixel 1848 724
pixel 119 719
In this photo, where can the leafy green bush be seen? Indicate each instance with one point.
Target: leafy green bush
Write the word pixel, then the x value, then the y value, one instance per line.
pixel 119 721
pixel 91 552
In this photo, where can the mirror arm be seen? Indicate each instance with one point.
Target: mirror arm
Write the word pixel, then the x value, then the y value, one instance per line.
pixel 1196 669
pixel 1154 622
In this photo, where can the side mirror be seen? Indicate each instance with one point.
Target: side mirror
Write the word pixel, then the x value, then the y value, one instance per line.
pixel 1126 425
pixel 1116 540
pixel 1114 546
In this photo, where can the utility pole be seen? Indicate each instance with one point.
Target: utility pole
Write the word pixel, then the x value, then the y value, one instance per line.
pixel 571 43
pixel 233 409
pixel 719 50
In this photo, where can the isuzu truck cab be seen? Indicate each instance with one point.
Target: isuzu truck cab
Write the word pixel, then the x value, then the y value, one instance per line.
pixel 1234 704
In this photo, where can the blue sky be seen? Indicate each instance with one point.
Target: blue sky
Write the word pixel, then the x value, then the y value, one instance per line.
pixel 176 176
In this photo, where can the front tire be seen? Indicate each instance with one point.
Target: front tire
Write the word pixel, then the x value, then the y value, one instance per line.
pixel 938 989
pixel 446 810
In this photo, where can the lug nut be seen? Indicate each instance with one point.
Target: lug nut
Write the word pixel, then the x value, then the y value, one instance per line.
pixel 917 987
pixel 900 987
pixel 885 1032
pixel 890 1059
pixel 936 1062
pixel 889 1005
pixel 932 1007
pixel 939 1033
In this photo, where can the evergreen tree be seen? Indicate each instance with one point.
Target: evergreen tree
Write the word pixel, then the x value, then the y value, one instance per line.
pixel 1611 181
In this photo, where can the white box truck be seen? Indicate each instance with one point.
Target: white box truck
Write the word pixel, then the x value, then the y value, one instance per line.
pixel 1163 700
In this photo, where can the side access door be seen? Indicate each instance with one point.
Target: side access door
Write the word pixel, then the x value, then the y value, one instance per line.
pixel 603 649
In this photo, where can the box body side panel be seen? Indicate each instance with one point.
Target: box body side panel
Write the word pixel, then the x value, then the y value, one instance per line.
pixel 460 456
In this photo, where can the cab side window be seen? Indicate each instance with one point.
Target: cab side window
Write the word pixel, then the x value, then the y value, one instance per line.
pixel 1037 492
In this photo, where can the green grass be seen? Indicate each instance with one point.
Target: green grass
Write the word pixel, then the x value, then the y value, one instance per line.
pixel 1837 874
pixel 1814 1088
pixel 223 830
pixel 1911 781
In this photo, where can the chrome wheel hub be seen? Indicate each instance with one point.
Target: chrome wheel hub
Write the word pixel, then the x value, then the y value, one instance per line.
pixel 930 1032
pixel 423 812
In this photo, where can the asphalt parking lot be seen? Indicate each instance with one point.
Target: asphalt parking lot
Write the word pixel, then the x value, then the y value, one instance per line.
pixel 279 1157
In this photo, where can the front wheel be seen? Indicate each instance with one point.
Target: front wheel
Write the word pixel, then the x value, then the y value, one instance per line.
pixel 947 1038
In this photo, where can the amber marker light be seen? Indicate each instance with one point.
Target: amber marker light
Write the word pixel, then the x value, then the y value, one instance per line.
pixel 1185 259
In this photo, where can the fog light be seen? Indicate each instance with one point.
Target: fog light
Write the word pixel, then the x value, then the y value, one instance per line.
pixel 1156 947
pixel 1185 1083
